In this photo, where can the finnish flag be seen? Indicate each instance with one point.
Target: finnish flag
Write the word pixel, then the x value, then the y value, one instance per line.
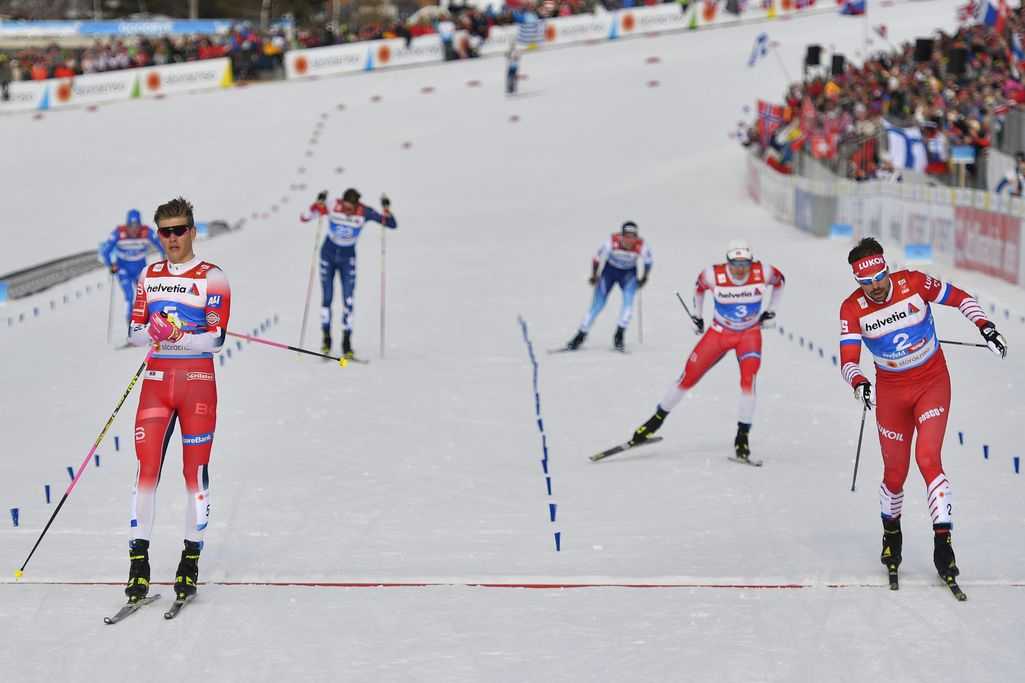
pixel 760 49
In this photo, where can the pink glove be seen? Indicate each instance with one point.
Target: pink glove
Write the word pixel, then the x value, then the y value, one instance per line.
pixel 162 329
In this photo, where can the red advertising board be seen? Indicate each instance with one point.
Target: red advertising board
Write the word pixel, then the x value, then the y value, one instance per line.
pixel 987 242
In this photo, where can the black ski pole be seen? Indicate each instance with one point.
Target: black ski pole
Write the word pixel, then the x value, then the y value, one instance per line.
pixel 947 341
pixel 682 303
pixel 857 456
pixel 18 572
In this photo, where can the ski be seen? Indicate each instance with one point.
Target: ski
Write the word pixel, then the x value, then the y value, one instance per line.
pixel 891 571
pixel 622 351
pixel 955 590
pixel 130 608
pixel 625 447
pixel 745 461
pixel 176 606
pixel 562 349
pixel 356 359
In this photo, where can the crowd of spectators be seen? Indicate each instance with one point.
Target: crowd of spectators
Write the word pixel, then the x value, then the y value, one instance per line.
pixel 841 118
pixel 255 52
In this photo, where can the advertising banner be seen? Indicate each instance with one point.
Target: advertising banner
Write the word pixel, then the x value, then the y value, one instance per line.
pixel 323 61
pixel 207 74
pixel 987 242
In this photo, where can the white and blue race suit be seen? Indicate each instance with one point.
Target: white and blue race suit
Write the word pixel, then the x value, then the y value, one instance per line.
pixel 128 253
pixel 620 268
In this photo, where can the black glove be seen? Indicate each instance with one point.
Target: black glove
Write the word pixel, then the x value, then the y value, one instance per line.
pixel 593 280
pixel 698 323
pixel 863 393
pixel 643 281
pixel 994 340
pixel 385 202
pixel 322 197
pixel 113 269
pixel 766 317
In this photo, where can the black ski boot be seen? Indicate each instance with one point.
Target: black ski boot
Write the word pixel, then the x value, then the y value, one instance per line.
pixel 740 444
pixel 893 543
pixel 943 552
pixel 646 430
pixel 188 571
pixel 576 341
pixel 138 574
pixel 346 345
pixel 618 340
pixel 325 346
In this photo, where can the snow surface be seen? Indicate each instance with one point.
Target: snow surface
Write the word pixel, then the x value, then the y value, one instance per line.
pixel 425 467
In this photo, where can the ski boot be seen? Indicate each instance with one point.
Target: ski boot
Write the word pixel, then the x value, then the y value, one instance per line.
pixel 138 573
pixel 740 445
pixel 943 552
pixel 346 345
pixel 618 339
pixel 574 343
pixel 646 430
pixel 893 543
pixel 188 571
pixel 325 346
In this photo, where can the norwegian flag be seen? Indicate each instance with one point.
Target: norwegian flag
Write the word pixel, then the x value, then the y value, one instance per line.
pixel 770 116
pixel 846 121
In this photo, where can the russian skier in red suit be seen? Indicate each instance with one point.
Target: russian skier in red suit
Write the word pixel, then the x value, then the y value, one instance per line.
pixel 738 288
pixel 890 313
pixel 182 305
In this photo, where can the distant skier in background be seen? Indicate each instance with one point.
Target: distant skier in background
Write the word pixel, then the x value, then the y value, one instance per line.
pixel 346 218
pixel 890 313
pixel 619 254
pixel 182 306
pixel 1014 180
pixel 512 66
pixel 739 288
pixel 124 252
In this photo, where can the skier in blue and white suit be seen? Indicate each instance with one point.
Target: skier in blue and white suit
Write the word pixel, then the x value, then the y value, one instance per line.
pixel 620 253
pixel 124 252
pixel 345 221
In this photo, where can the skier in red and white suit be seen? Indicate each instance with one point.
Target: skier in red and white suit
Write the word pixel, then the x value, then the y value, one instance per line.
pixel 890 313
pixel 738 288
pixel 181 304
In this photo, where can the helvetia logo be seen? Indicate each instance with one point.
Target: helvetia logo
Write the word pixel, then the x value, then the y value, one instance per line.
pixel 892 318
pixel 167 289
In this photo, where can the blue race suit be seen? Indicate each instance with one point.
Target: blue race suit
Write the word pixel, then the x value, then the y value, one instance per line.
pixel 129 255
pixel 338 255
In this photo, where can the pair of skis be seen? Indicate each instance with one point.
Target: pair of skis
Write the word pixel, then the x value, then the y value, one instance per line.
pixel 628 445
pixel 132 607
pixel 949 581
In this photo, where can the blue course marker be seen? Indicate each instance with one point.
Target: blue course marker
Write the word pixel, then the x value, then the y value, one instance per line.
pixel 960 438
pixel 46 490
pixel 551 510
pixel 544 465
pixel 985 451
pixel 97 457
pixel 14 517
pixel 71 473
pixel 548 482
pixel 117 443
pixel 558 541
pixel 1017 464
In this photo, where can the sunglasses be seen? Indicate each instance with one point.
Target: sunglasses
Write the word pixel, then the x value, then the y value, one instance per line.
pixel 871 279
pixel 178 230
pixel 738 263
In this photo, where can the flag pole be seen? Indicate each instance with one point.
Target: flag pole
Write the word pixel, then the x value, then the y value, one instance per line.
pixel 772 46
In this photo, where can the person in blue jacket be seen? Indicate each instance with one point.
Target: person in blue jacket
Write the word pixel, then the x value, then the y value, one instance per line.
pixel 124 252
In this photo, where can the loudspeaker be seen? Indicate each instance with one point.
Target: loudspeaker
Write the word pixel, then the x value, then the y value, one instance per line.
pixel 956 60
pixel 813 57
pixel 838 65
pixel 923 49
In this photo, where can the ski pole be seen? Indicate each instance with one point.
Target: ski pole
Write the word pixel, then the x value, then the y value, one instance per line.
pixel 384 228
pixel 138 373
pixel 947 341
pixel 341 361
pixel 110 311
pixel 309 284
pixel 640 319
pixel 857 456
pixel 686 309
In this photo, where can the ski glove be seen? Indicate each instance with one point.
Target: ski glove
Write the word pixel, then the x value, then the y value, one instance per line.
pixel 994 340
pixel 385 202
pixel 113 269
pixel 698 323
pixel 863 393
pixel 322 197
pixel 593 280
pixel 161 328
pixel 766 317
